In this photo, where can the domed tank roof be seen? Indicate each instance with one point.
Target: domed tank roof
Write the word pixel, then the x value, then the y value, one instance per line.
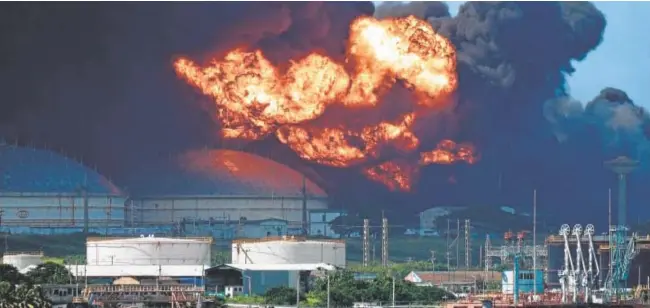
pixel 31 170
pixel 223 172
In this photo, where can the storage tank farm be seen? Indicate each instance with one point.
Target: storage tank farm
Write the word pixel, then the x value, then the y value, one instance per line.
pixel 23 261
pixel 42 192
pixel 288 250
pixel 148 250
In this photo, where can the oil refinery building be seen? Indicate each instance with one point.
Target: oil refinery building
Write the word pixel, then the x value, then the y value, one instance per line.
pixel 44 192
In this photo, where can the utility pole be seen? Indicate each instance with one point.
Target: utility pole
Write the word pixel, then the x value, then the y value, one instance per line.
pixel 535 241
pixel 468 249
pixel 448 253
pixel 366 244
pixel 384 242
pixel 433 260
pixel 457 241
pixel 305 229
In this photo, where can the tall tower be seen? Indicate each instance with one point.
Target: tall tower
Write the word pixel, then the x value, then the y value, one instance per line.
pixel 305 228
pixel 384 242
pixel 468 249
pixel 366 241
pixel 622 166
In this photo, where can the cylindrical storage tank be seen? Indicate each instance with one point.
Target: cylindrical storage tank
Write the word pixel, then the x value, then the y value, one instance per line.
pixel 148 251
pixel 288 251
pixel 22 260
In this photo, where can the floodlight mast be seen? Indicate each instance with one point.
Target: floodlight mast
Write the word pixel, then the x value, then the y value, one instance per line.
pixel 622 166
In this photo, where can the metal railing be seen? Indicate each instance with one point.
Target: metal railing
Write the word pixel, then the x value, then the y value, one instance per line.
pixel 141 288
pixel 287 238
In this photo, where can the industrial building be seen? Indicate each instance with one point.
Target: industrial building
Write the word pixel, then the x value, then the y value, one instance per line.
pixel 165 270
pixel 44 192
pixel 222 193
pixel 260 264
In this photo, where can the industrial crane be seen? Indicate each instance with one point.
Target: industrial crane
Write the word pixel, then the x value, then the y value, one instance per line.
pixel 567 273
pixel 578 277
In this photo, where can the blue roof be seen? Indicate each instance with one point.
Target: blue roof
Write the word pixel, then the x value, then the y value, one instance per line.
pixel 222 172
pixel 31 170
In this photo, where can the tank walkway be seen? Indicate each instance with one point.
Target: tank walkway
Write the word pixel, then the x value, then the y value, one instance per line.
pixel 176 295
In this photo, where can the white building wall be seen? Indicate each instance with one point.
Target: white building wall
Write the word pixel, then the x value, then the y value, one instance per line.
pixel 59 210
pixel 288 252
pixel 165 210
pixel 148 251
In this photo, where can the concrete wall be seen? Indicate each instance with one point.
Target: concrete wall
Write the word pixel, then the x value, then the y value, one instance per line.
pixel 165 210
pixel 60 210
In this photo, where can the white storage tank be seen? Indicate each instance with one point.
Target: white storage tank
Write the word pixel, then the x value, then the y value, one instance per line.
pixel 288 250
pixel 22 260
pixel 148 250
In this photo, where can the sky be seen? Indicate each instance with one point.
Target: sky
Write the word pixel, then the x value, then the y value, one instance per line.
pixel 623 58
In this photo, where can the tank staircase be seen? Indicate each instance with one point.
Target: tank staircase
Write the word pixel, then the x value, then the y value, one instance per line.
pixel 176 295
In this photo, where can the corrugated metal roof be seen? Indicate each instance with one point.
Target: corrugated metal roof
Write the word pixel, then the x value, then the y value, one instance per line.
pixel 278 267
pixel 30 170
pixel 222 172
pixel 136 270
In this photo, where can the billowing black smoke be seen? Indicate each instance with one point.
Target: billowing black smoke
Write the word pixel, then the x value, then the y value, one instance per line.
pixel 96 81
pixel 513 59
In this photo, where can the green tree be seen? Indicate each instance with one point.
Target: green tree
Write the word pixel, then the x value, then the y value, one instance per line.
pixel 280 296
pixel 50 273
pixel 23 296
pixel 10 273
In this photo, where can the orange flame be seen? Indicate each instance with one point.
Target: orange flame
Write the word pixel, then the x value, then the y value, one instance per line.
pixel 255 98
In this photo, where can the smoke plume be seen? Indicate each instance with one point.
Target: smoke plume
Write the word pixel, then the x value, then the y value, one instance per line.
pixel 96 80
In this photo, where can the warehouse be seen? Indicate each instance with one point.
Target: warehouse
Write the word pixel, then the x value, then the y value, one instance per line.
pixel 44 192
pixel 209 190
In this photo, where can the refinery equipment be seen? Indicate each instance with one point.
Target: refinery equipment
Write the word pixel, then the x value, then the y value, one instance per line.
pixel 44 192
pixel 515 246
pixel 23 261
pixel 288 250
pixel 622 251
pixel 578 277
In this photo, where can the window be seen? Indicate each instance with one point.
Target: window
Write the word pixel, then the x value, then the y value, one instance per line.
pixel 526 276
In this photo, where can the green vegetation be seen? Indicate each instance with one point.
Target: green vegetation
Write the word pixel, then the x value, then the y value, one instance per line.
pixel 345 290
pixel 18 290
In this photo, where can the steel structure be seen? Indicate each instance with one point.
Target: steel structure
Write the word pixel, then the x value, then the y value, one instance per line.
pixel 505 253
pixel 578 277
pixel 384 242
pixel 468 246
pixel 366 242
pixel 622 252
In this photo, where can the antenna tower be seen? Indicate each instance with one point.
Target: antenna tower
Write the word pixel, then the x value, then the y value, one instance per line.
pixel 468 248
pixel 384 242
pixel 366 243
